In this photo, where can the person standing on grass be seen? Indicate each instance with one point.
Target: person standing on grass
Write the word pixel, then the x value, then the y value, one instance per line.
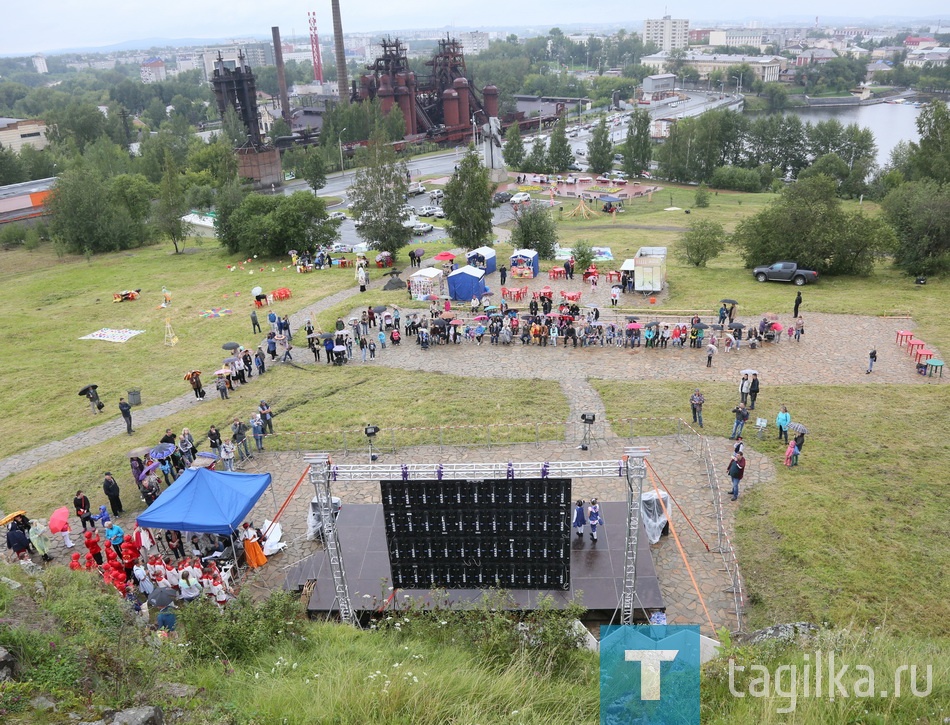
pixel 781 422
pixel 111 489
pixel 214 439
pixel 753 390
pixel 696 401
pixel 222 385
pixel 259 361
pixel 798 303
pixel 126 411
pixel 267 416
pixel 744 385
pixel 272 320
pixel 255 323
pixel 239 436
pixel 742 415
pixel 257 430
pixel 736 471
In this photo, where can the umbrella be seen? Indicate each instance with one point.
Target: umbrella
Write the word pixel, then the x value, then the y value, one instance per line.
pixel 653 324
pixel 280 337
pixel 193 373
pixel 491 307
pixel 456 322
pixel 229 360
pixel 379 309
pixel 488 293
pixel 634 326
pixel 313 335
pixel 223 371
pixel 327 336
pixel 447 315
pixel 383 255
pixel 419 252
pixel 257 291
pixel 230 346
pixel 207 454
pixel 777 326
pixel 148 469
pixel 291 252
pixel 9 517
pixel 339 348
pixel 161 597
pixel 736 326
pixel 700 325
pixel 432 298
pixel 798 428
pixel 748 371
pixel 162 450
pixel 444 256
pixel 202 463
pixel 439 322
pixel 770 316
pixel 85 391
pixel 58 520
pixel 481 317
pixel 729 302
pixel 717 327
pixel 140 452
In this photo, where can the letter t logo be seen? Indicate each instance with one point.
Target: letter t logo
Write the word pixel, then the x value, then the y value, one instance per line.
pixel 650 660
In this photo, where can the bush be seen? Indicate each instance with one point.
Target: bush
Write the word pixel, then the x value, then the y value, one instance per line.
pixel 702 197
pixel 583 255
pixel 736 178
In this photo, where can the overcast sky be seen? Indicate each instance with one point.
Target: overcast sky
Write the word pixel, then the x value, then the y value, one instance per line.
pixel 29 27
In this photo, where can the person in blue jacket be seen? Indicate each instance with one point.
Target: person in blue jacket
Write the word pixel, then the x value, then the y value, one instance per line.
pixel 580 520
pixel 781 422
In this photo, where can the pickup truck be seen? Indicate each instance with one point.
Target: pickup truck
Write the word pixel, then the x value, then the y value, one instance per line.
pixel 784 272
pixel 416 188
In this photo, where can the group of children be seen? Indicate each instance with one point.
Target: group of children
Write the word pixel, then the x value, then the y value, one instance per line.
pixel 593 517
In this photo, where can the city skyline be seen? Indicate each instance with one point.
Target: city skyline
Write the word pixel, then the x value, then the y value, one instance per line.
pixel 58 25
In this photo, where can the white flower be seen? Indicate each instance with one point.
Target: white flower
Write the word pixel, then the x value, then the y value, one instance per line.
pixel 257 675
pixel 294 667
pixel 415 679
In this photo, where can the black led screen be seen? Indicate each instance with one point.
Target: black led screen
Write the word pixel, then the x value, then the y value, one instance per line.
pixel 475 534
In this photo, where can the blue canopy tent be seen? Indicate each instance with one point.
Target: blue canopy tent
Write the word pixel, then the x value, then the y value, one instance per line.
pixel 466 283
pixel 206 502
pixel 483 258
pixel 528 259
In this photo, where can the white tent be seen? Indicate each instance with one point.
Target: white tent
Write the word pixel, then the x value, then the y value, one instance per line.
pixel 628 265
pixel 425 282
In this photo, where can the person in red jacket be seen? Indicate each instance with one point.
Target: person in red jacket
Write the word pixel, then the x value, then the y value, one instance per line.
pixel 91 540
pixel 90 563
pixel 74 563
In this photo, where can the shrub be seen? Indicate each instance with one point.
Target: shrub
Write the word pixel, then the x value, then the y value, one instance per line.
pixel 736 179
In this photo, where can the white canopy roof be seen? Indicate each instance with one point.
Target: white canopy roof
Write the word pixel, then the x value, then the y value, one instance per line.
pixel 428 273
pixel 628 265
pixel 484 251
pixel 524 253
pixel 469 270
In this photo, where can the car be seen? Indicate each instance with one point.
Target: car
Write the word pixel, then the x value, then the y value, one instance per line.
pixel 521 197
pixel 439 213
pixel 620 175
pixel 501 197
pixel 338 216
pixel 341 248
pixel 427 210
pixel 573 167
pixel 580 152
pixel 618 157
pixel 436 194
pixel 407 210
pixel 422 228
pixel 359 223
pixel 784 272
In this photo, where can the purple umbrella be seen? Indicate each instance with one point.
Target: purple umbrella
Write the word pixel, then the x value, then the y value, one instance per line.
pixel 207 454
pixel 148 469
pixel 162 450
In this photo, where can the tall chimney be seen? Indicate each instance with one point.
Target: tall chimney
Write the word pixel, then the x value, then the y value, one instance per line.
pixel 341 79
pixel 281 76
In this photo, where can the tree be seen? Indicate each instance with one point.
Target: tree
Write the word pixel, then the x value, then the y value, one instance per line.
pixel 583 254
pixel 560 155
pixel 930 157
pixel 11 169
pixel 468 201
pixel 172 204
pixel 638 146
pixel 534 229
pixel 600 150
pixel 513 152
pixel 702 196
pixel 807 224
pixel 84 216
pixel 135 193
pixel 226 203
pixel 777 96
pixel 271 225
pixel 919 211
pixel 702 241
pixel 233 128
pixel 378 193
pixel 280 128
pixel 537 160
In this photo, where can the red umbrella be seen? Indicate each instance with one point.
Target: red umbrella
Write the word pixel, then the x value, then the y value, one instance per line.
pixel 634 326
pixel 444 256
pixel 482 317
pixel 59 520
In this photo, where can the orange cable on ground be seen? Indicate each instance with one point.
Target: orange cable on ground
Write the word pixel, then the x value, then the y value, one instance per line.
pixel 673 499
pixel 287 500
pixel 679 546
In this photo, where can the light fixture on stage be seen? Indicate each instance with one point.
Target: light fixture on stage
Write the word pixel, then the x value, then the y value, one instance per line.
pixel 588 420
pixel 371 431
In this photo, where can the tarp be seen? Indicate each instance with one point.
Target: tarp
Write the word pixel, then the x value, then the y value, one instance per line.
pixel 466 283
pixel 529 258
pixel 207 502
pixel 486 258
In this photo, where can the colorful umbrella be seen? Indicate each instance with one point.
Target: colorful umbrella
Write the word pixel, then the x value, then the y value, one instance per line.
pixel 207 454
pixel 481 317
pixel 9 517
pixel 798 428
pixel 447 315
pixel 444 256
pixel 193 373
pixel 634 326
pixel 223 371
pixel 432 298
pixel 148 469
pixel 456 322
pixel 162 450
pixel 59 520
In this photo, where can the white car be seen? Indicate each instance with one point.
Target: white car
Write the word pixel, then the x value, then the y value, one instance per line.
pixel 428 210
pixel 436 194
pixel 521 197
pixel 341 248
pixel 439 213
pixel 422 228
pixel 338 216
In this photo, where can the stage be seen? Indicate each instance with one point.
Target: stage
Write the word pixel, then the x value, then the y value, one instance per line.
pixel 596 570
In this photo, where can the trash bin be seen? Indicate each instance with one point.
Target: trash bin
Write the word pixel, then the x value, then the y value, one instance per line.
pixel 135 396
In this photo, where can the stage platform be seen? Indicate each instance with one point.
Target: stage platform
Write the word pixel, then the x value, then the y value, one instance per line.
pixel 596 569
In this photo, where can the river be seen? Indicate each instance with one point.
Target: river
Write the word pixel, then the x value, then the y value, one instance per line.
pixel 889 122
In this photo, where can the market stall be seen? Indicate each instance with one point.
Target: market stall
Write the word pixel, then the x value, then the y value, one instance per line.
pixel 525 264
pixel 466 283
pixel 426 282
pixel 483 258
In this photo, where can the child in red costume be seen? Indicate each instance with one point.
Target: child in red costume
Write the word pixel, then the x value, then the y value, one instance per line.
pixel 90 562
pixel 92 545
pixel 74 562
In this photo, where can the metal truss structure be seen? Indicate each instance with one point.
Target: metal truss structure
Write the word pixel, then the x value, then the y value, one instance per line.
pixel 634 471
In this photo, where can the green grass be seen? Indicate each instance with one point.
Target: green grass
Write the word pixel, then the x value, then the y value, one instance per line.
pixel 858 532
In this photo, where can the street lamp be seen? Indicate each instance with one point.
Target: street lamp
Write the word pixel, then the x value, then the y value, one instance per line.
pixel 738 80
pixel 339 139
